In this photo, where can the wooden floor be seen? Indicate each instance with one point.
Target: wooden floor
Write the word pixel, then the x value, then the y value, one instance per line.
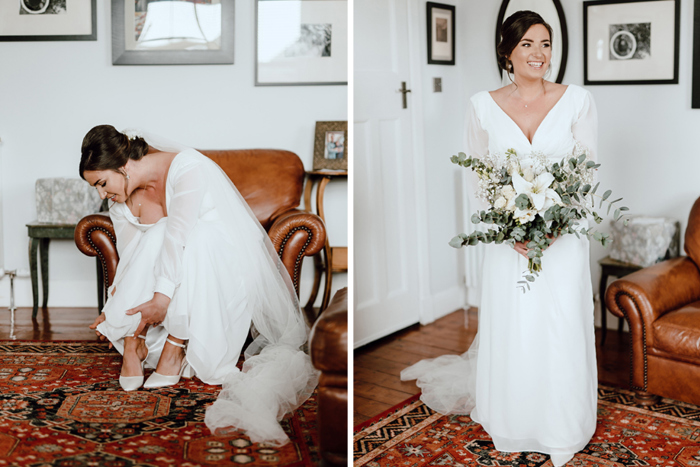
pixel 377 386
pixel 51 324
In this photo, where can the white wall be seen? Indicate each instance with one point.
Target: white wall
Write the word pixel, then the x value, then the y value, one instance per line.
pixel 52 93
pixel 647 134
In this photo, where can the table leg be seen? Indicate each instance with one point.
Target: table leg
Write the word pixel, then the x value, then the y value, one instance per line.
pixel 603 311
pixel 328 263
pixel 44 255
pixel 33 247
pixel 100 287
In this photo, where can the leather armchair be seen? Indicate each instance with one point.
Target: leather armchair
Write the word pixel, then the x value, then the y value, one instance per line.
pixel 661 303
pixel 271 182
pixel 329 354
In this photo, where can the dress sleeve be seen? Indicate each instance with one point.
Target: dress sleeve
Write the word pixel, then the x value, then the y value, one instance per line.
pixel 476 144
pixel 189 187
pixel 127 234
pixel 585 127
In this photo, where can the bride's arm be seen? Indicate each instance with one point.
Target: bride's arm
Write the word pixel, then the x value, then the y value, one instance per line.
pixel 585 127
pixel 476 144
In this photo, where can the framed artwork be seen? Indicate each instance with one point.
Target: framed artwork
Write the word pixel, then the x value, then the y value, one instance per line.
pixel 331 146
pixel 441 33
pixel 186 32
pixel 553 13
pixel 48 20
pixel 696 57
pixel 631 42
pixel 301 42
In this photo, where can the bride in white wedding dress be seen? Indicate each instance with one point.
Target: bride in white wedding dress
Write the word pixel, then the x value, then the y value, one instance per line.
pixel 529 378
pixel 195 269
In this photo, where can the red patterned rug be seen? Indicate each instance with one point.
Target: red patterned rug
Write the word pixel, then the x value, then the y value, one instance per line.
pixel 61 404
pixel 411 434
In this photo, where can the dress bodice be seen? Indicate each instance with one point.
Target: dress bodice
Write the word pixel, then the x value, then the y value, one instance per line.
pixel 555 137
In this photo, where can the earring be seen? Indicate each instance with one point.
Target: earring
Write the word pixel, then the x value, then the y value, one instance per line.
pixel 127 176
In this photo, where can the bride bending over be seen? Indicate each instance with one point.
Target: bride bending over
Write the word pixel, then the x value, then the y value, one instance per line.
pixel 195 269
pixel 530 376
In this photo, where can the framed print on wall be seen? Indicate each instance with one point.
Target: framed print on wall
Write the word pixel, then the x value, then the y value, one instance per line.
pixel 441 33
pixel 301 42
pixel 185 32
pixel 695 104
pixel 48 20
pixel 631 42
pixel 331 146
pixel 553 13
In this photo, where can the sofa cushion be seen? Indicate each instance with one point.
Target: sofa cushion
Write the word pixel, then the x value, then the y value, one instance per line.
pixel 678 332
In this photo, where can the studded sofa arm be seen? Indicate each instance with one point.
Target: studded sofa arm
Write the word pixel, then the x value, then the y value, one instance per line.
pixel 94 236
pixel 296 234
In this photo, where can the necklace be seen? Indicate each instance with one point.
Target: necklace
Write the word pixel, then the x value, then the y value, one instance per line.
pixel 526 103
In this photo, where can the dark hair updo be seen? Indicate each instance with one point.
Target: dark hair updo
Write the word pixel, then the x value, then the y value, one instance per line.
pixel 105 148
pixel 512 32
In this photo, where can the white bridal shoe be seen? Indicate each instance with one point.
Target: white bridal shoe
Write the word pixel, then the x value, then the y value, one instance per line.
pixel 157 380
pixel 131 383
pixel 560 459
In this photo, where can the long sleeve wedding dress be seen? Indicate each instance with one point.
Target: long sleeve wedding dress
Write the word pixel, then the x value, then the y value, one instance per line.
pixel 530 376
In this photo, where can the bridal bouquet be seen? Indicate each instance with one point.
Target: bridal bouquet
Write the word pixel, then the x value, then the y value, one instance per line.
pixel 533 201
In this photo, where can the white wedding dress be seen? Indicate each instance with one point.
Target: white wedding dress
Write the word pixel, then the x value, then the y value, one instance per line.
pixel 530 376
pixel 215 261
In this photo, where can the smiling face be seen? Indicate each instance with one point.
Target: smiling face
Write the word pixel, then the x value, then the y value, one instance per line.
pixel 532 55
pixel 110 184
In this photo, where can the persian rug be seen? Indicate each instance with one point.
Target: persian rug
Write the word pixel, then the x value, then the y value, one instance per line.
pixel 411 434
pixel 61 405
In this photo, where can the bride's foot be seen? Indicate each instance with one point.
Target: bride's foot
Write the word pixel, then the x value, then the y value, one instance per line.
pixel 135 353
pixel 171 366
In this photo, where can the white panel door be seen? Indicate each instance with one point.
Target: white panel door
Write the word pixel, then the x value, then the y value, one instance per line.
pixel 385 240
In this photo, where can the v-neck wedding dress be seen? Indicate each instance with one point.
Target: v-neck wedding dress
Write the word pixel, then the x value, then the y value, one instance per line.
pixel 530 376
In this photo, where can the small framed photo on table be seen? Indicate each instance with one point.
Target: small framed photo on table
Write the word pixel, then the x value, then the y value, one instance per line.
pixel 48 20
pixel 631 42
pixel 331 146
pixel 441 34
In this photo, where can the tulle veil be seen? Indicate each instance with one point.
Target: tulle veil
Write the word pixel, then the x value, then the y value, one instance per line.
pixel 277 374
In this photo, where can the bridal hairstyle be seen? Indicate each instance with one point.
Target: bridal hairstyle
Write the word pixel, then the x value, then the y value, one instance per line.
pixel 105 148
pixel 512 31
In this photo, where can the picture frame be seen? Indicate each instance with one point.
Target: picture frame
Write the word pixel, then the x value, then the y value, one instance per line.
pixel 631 41
pixel 695 99
pixel 441 33
pixel 203 33
pixel 553 13
pixel 301 42
pixel 48 20
pixel 331 146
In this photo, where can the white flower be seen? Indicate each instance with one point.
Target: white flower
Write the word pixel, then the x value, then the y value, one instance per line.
pixel 537 190
pixel 500 203
pixel 508 192
pixel 525 216
pixel 132 133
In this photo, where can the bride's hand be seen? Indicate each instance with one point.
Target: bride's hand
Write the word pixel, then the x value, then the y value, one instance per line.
pixel 152 312
pixel 522 249
pixel 94 325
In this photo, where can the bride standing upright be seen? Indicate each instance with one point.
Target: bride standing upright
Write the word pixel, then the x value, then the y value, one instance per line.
pixel 530 376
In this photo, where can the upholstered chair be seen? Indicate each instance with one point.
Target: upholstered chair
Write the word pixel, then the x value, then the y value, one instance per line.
pixel 661 303
pixel 329 354
pixel 271 182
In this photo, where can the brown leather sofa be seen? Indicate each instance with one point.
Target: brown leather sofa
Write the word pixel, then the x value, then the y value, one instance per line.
pixel 329 354
pixel 271 182
pixel 661 303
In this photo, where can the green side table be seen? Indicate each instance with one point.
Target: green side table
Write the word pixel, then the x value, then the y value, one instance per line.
pixel 40 234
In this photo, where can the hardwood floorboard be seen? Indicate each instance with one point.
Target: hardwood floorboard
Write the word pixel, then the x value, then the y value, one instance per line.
pixel 377 365
pixel 51 324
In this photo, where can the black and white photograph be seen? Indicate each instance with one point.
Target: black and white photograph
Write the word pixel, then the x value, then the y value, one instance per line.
pixel 160 32
pixel 301 42
pixel 441 33
pixel 42 7
pixel 331 146
pixel 631 42
pixel 48 20
pixel 314 41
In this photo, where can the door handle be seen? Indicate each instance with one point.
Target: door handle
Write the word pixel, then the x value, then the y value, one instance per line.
pixel 403 92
